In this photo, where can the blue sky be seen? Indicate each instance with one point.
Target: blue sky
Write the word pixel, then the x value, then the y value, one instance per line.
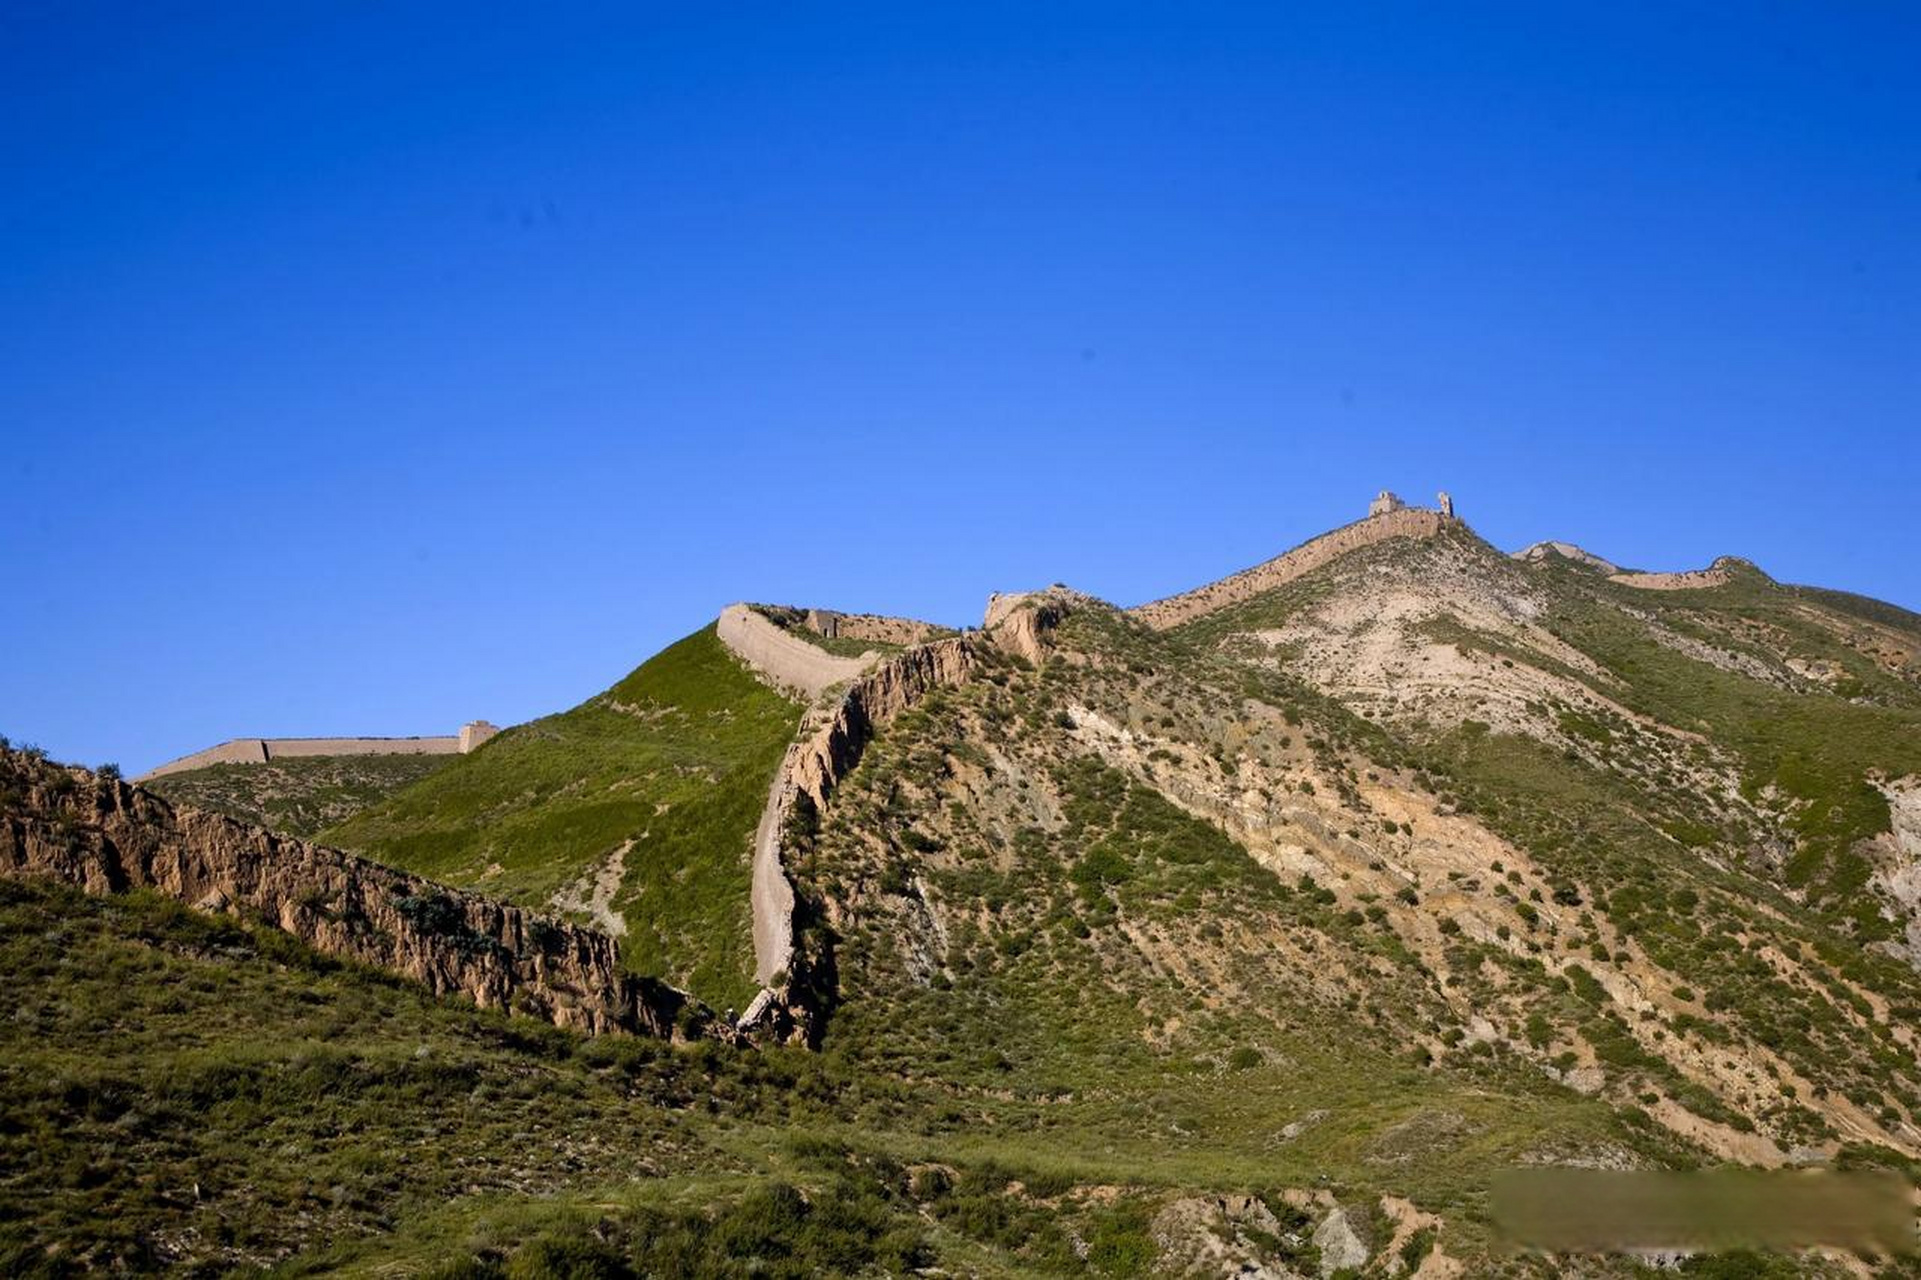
pixel 367 369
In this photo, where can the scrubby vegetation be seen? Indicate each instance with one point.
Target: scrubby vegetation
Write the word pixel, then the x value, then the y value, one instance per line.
pixel 666 772
pixel 298 795
pixel 1166 921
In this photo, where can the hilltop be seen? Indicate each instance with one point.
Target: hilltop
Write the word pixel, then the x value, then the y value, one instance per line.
pixel 1245 932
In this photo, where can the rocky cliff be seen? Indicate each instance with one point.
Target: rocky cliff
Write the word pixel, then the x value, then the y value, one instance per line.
pixel 68 824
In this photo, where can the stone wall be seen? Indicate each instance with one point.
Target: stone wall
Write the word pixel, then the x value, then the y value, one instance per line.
pixel 474 733
pixel 830 744
pixel 1717 574
pixel 261 750
pixel 786 660
pixel 873 628
pixel 880 629
pixel 1404 522
pixel 105 836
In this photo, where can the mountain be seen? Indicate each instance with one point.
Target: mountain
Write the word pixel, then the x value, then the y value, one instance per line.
pixel 1252 931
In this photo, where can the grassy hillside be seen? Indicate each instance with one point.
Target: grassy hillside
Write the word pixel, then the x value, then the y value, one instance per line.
pixel 187 1091
pixel 299 795
pixel 641 801
pixel 181 1090
pixel 1171 953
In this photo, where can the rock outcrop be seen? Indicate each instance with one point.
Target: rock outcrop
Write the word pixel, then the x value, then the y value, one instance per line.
pixel 1399 522
pixel 63 823
pixel 1018 623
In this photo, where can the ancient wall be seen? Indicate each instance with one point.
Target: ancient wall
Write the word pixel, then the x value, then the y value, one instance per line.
pixel 474 733
pixel 107 837
pixel 233 751
pixel 874 628
pixel 1405 522
pixel 261 750
pixel 829 746
pixel 283 748
pixel 1717 574
pixel 880 629
pixel 786 660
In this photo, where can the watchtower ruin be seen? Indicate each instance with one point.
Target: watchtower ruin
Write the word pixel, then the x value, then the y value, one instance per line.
pixel 1384 502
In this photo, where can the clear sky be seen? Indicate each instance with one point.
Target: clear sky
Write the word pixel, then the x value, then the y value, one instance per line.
pixel 368 369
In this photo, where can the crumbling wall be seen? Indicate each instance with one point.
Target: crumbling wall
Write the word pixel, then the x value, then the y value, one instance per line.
pixel 829 746
pixel 1717 574
pixel 105 836
pixel 261 750
pixel 786 660
pixel 1403 522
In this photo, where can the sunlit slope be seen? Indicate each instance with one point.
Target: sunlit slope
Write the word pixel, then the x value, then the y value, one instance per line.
pixel 1161 855
pixel 298 795
pixel 634 810
pixel 1758 721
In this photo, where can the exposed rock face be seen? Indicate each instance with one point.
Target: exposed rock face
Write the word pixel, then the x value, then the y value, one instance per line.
pixel 1020 623
pixel 1897 858
pixel 1399 522
pixel 829 746
pixel 67 824
pixel 1220 1236
pixel 1342 1248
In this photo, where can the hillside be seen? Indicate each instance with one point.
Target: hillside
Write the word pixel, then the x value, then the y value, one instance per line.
pixel 1250 932
pixel 299 796
pixel 633 811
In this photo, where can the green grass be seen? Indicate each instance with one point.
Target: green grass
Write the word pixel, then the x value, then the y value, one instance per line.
pixel 298 795
pixel 1043 996
pixel 199 1092
pixel 1817 749
pixel 677 758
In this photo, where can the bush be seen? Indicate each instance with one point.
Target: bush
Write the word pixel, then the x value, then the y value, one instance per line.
pixel 567 1257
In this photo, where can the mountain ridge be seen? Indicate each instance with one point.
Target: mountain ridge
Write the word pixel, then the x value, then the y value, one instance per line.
pixel 1380 868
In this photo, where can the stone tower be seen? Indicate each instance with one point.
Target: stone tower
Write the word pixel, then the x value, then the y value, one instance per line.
pixel 1383 503
pixel 475 732
pixel 1447 504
